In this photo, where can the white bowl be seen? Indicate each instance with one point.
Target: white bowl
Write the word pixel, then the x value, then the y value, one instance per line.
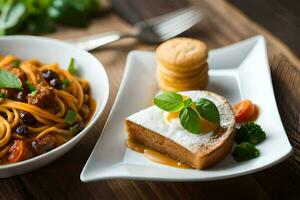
pixel 53 51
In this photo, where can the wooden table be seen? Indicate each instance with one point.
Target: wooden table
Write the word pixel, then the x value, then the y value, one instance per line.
pixel 223 25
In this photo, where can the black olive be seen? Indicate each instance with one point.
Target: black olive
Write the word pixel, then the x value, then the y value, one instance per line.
pixel 22 130
pixel 21 95
pixel 56 83
pixel 27 118
pixel 49 75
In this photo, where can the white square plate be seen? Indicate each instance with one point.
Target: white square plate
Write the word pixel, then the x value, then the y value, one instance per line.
pixel 239 71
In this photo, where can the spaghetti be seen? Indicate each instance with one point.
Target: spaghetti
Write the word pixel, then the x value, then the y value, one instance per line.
pixel 51 107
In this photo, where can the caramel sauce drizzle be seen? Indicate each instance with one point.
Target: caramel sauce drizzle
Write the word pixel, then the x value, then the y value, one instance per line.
pixel 155 156
pixel 135 147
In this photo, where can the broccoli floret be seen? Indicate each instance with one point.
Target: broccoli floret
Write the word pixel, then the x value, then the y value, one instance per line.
pixel 245 151
pixel 250 132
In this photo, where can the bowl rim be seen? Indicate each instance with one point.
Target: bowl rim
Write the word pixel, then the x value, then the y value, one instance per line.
pixel 95 116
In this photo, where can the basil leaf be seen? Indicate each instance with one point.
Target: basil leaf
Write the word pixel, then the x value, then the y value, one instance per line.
pixel 9 80
pixel 70 117
pixel 169 101
pixel 190 120
pixel 72 68
pixel 208 110
pixel 188 102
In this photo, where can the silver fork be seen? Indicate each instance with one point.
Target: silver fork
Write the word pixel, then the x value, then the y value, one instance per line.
pixel 151 31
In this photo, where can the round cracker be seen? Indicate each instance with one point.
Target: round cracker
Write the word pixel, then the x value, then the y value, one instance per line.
pixel 181 54
pixel 183 79
pixel 165 87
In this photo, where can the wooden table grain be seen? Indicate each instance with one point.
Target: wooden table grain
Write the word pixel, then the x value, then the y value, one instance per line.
pixel 223 25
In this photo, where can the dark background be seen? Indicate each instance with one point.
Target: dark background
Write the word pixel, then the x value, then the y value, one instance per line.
pixel 280 17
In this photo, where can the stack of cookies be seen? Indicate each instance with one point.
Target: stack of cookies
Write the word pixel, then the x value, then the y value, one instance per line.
pixel 181 64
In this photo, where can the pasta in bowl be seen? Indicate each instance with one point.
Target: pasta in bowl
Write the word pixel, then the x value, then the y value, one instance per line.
pixel 45 107
pixel 42 107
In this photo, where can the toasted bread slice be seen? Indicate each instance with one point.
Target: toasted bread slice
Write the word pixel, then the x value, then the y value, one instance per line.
pixel 148 128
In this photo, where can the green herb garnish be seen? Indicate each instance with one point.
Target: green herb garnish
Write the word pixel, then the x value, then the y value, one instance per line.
pixel 72 69
pixel 2 95
pixel 189 120
pixel 169 101
pixel 188 102
pixel 31 88
pixel 74 129
pixel 33 93
pixel 66 83
pixel 70 117
pixel 9 80
pixel 189 116
pixel 15 63
pixel 208 110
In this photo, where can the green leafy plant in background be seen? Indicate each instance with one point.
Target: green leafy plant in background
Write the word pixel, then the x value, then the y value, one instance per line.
pixel 37 20
pixel 40 16
pixel 72 12
pixel 12 14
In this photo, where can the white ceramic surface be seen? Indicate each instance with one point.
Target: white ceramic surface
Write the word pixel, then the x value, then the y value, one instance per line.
pixel 239 71
pixel 53 51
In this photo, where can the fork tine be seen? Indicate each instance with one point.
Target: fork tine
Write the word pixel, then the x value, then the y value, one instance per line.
pixel 177 21
pixel 179 29
pixel 166 17
pixel 177 32
pixel 177 26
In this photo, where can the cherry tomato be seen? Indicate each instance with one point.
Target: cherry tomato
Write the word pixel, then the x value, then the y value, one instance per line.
pixel 19 151
pixel 243 110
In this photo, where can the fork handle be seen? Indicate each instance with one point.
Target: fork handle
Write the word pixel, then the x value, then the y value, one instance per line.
pixel 95 41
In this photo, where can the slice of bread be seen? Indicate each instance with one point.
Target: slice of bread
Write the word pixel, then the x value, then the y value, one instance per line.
pixel 148 128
